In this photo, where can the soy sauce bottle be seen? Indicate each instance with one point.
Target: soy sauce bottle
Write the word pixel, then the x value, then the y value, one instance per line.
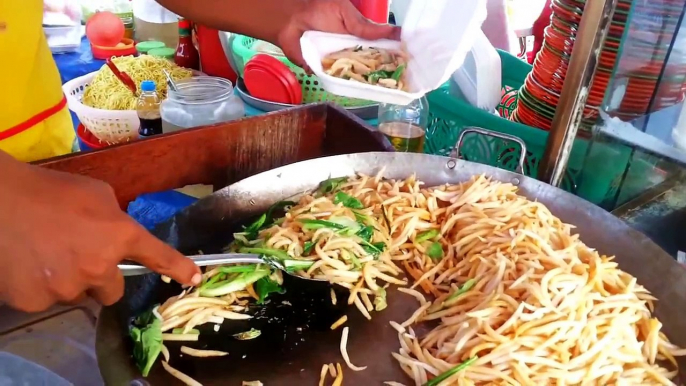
pixel 148 109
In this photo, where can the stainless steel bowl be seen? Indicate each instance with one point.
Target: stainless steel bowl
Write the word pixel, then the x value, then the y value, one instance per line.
pixel 364 112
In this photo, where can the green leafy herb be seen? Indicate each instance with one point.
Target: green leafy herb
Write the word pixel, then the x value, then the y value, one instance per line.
pixel 374 249
pixel 398 72
pixel 238 268
pixel 266 286
pixel 297 265
pixel 347 200
pixel 435 250
pixel 237 284
pixel 144 319
pixel 247 335
pixel 366 233
pixel 147 344
pixel 374 76
pixel 442 377
pixel 308 247
pixel 276 253
pixel 428 235
pixel 191 331
pixel 331 185
pixel 465 287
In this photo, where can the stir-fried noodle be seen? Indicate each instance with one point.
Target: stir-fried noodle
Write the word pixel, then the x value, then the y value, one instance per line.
pixel 508 295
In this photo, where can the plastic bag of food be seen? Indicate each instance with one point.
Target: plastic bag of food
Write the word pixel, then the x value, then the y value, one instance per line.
pixel 436 37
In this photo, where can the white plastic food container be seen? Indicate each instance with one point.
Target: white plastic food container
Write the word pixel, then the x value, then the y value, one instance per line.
pixel 436 34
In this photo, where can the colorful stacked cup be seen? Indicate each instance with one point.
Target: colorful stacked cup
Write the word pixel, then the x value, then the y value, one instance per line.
pixel 636 86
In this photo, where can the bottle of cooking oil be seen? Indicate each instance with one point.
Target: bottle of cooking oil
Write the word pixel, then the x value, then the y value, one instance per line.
pixel 405 126
pixel 148 109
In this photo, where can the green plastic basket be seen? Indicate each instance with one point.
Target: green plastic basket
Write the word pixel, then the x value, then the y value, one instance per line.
pixel 595 169
pixel 312 92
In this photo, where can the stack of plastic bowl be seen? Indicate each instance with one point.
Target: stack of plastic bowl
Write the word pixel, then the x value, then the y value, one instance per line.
pixel 633 55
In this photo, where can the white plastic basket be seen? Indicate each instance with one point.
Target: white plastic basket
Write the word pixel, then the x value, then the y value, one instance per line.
pixel 110 126
pixel 436 34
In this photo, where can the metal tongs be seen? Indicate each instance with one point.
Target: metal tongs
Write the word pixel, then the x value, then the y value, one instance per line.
pixel 123 77
pixel 133 269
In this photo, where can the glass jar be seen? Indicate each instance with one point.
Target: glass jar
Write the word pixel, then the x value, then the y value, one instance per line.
pixel 405 126
pixel 200 101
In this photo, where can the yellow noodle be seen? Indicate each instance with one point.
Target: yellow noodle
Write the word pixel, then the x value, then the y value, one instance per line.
pixel 107 92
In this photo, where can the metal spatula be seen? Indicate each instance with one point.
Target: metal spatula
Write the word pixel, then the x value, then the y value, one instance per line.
pixel 133 269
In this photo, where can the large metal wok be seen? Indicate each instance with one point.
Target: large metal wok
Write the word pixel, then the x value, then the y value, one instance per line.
pixel 285 355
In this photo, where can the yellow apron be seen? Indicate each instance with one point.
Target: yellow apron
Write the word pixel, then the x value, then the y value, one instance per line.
pixel 34 120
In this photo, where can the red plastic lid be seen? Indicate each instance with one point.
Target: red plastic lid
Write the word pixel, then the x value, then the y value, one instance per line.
pixel 268 78
pixel 88 138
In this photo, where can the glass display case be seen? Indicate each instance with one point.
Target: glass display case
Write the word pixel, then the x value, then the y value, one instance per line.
pixel 642 123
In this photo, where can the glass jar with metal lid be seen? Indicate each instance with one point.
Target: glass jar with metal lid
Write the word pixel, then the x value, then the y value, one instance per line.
pixel 200 101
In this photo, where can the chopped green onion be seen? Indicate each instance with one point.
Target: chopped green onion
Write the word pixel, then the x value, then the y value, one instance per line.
pixel 212 280
pixel 247 335
pixel 238 284
pixel 428 235
pixel 442 377
pixel 297 265
pixel 278 254
pixel 435 251
pixel 361 218
pixel 179 331
pixel 238 268
pixel 348 201
pixel 398 72
pixel 252 229
pixel 318 224
pixel 308 247
pixel 465 287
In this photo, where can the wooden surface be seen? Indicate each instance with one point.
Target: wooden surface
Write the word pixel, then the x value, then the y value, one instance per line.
pixel 222 154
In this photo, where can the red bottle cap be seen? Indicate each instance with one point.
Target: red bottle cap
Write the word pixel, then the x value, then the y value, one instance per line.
pixel 184 24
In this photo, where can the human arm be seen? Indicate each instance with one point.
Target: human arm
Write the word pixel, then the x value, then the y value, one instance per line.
pixel 281 22
pixel 62 236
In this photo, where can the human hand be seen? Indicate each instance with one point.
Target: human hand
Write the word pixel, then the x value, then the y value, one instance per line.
pixel 335 16
pixel 62 236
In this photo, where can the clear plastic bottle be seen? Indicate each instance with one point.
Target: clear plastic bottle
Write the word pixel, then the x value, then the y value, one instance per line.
pixel 148 109
pixel 405 126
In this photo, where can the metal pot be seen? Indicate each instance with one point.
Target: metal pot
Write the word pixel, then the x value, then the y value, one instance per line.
pixel 206 225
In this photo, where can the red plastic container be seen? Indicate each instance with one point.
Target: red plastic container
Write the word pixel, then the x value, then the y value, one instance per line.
pixel 374 10
pixel 213 61
pixel 87 141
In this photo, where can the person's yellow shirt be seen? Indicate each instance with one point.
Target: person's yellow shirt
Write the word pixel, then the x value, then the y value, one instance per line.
pixel 34 121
